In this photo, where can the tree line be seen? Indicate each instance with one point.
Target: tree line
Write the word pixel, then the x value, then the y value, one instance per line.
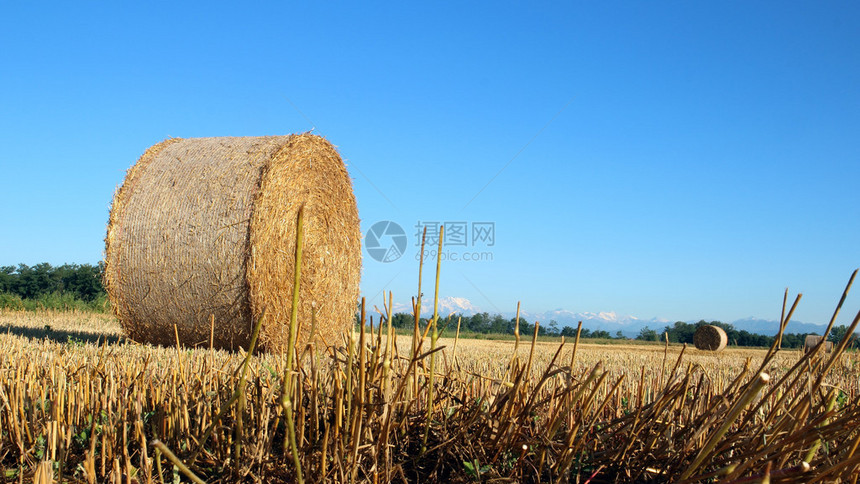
pixel 679 332
pixel 79 286
pixel 69 286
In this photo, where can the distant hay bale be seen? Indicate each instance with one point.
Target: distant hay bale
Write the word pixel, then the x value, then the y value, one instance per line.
pixel 205 227
pixel 812 340
pixel 710 338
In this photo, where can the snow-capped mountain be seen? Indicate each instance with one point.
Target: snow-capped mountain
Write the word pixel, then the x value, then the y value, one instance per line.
pixel 604 320
pixel 459 305
pixel 608 321
pixel 565 317
pixel 447 305
pixel 768 326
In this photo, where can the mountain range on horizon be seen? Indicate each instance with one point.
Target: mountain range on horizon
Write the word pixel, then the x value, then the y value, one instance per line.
pixel 609 321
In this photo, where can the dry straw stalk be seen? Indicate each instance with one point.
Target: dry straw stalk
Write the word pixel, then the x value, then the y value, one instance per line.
pixel 205 228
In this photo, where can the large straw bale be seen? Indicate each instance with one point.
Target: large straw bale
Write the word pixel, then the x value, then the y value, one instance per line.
pixel 812 340
pixel 710 338
pixel 204 228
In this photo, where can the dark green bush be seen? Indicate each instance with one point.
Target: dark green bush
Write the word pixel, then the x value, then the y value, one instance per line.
pixel 62 288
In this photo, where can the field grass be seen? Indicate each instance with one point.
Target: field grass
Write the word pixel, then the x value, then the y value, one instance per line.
pixel 78 403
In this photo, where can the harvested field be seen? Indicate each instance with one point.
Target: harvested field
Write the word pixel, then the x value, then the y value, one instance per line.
pixel 90 411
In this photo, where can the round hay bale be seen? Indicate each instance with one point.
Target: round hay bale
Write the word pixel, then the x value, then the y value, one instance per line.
pixel 812 341
pixel 204 228
pixel 710 338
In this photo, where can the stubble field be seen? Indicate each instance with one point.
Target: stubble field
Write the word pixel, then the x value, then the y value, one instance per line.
pixel 80 404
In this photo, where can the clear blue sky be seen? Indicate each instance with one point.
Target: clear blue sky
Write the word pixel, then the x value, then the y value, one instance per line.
pixel 676 159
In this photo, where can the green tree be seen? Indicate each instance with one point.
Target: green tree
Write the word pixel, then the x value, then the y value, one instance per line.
pixel 680 332
pixel 6 278
pixel 35 281
pixel 479 323
pixel 69 284
pixel 83 281
pixel 498 324
pixel 647 334
pixel 837 333
pixel 601 334
pixel 402 321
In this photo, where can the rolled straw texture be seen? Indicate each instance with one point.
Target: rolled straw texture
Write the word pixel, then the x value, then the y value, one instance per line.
pixel 204 228
pixel 710 338
pixel 812 340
